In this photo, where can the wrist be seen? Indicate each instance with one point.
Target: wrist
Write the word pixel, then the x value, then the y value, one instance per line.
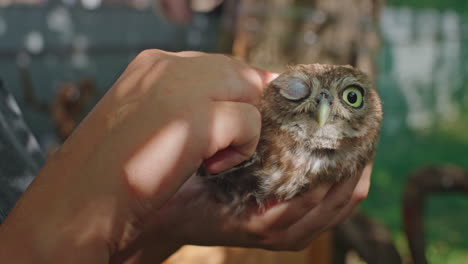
pixel 38 239
pixel 56 221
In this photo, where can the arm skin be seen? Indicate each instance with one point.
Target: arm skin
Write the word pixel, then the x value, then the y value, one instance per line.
pixel 119 189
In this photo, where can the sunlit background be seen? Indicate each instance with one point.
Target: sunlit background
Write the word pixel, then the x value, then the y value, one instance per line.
pixel 421 66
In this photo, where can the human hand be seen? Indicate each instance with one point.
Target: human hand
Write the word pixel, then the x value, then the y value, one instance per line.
pixel 193 217
pixel 165 115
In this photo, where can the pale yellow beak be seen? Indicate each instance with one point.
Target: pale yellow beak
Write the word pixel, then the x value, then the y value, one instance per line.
pixel 323 112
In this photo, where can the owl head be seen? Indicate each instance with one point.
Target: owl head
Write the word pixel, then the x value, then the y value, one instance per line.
pixel 325 106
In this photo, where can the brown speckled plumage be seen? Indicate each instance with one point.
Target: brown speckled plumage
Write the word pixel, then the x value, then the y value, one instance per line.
pixel 294 152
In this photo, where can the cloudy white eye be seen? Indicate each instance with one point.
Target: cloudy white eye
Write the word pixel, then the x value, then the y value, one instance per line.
pixel 295 89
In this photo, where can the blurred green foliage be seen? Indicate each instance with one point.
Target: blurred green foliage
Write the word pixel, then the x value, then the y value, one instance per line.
pixel 402 150
pixel 457 5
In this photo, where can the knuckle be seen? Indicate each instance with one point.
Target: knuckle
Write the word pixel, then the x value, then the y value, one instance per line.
pixel 155 57
pixel 148 54
pixel 191 53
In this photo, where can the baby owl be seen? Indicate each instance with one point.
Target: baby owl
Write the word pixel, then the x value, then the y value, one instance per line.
pixel 320 123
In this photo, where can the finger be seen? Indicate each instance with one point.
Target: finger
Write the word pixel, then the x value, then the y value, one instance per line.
pixel 318 220
pixel 234 135
pixel 340 195
pixel 241 82
pixel 359 194
pixel 285 214
pixel 224 78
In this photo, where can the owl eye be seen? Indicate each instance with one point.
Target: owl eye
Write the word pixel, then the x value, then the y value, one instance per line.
pixel 353 96
pixel 295 90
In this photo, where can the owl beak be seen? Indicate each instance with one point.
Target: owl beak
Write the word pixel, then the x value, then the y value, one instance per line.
pixel 323 112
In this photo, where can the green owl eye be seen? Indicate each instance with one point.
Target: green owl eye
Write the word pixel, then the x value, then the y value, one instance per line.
pixel 353 96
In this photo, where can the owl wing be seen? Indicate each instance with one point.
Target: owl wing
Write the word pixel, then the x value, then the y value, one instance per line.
pixel 246 163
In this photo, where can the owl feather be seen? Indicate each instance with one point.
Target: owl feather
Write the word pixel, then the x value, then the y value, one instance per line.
pixel 320 124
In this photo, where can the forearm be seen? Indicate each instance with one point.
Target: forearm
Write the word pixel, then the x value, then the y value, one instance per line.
pixel 33 234
pixel 81 207
pixel 17 248
pixel 64 216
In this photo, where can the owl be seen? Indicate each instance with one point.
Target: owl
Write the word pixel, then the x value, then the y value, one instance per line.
pixel 320 124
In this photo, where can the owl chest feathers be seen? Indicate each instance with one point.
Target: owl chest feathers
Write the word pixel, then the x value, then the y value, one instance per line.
pixel 291 165
pixel 289 175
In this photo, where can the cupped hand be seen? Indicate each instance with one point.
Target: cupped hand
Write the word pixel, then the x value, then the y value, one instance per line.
pixel 193 217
